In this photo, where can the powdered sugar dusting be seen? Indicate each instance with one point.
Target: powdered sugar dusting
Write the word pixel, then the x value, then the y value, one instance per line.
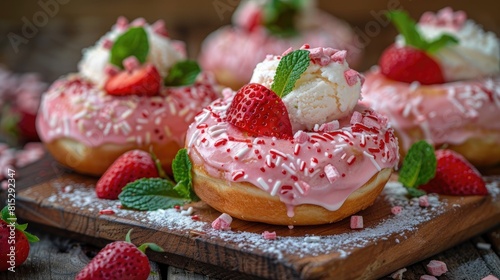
pixel 392 228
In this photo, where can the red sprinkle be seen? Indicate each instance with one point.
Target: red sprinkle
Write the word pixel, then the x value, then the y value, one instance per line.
pixel 107 212
pixel 220 142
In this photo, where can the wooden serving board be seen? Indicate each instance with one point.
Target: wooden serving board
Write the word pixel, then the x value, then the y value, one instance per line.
pixel 387 243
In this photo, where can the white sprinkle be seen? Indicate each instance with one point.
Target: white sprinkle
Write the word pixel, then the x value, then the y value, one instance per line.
pixel 348 134
pixel 127 113
pixel 148 138
pixel 278 161
pixel 215 133
pixel 66 126
pixel 483 246
pixel 139 140
pixel 406 110
pixel 344 156
pixel 168 133
pixel 187 212
pixel 274 151
pixel 171 105
pixel 157 120
pixel 372 159
pixel 268 160
pixel 142 121
pixel 312 239
pixel 53 121
pixel 202 117
pixel 298 187
pixel 194 136
pixel 263 183
pixel 159 111
pixel 125 127
pixel 288 169
pixel 184 111
pixel 242 151
pixel 276 186
pixel 107 129
pixel 80 115
pixel 131 139
pixel 189 117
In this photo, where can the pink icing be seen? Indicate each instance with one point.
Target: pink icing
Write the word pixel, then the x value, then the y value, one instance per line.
pixel 236 52
pixel 293 170
pixel 74 108
pixel 467 108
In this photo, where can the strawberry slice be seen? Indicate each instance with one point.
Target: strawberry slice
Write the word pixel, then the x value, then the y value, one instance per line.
pixel 408 64
pixel 130 166
pixel 455 176
pixel 259 111
pixel 145 80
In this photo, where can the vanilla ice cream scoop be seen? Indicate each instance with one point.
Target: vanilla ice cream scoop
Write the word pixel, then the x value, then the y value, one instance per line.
pixel 163 51
pixel 328 90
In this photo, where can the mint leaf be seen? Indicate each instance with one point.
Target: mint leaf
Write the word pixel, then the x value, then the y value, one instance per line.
pixel 419 166
pixel 150 194
pixel 183 73
pixel 440 42
pixel 280 17
pixel 408 28
pixel 181 167
pixel 134 42
pixel 289 70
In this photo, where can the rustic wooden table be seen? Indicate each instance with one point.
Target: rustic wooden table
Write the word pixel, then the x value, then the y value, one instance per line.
pixel 62 254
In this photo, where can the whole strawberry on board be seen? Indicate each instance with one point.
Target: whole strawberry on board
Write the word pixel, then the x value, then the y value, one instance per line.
pixel 414 61
pixel 14 247
pixel 442 171
pixel 119 260
pixel 130 166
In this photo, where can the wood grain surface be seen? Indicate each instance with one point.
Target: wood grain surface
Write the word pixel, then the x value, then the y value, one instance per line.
pixel 203 251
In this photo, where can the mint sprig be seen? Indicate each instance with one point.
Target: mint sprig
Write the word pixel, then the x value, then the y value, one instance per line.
pixel 280 17
pixel 419 166
pixel 160 193
pixel 183 73
pixel 407 27
pixel 8 217
pixel 289 70
pixel 134 42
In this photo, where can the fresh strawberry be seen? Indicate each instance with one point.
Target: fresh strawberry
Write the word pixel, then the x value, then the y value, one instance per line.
pixel 258 110
pixel 119 260
pixel 144 80
pixel 130 166
pixel 20 240
pixel 408 64
pixel 455 176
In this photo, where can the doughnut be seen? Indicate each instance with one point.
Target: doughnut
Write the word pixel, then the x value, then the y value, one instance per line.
pixel 327 171
pixel 226 51
pixel 460 113
pixel 85 128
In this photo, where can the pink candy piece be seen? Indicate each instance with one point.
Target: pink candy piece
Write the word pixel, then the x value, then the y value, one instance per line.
pixel 446 17
pixel 330 126
pixel 107 44
pixel 111 70
pixel 269 235
pixel 356 222
pixel 351 76
pixel 318 56
pixel 423 201
pixel 427 277
pixel 356 117
pixel 122 23
pixel 436 268
pixel 371 122
pixel 396 210
pixel 138 22
pixel 223 222
pixel 339 56
pixel 289 50
pixel 130 63
pixel 490 277
pixel 300 137
pixel 160 28
pixel 332 174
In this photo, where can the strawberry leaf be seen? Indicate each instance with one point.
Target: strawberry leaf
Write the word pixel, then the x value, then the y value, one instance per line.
pixel 6 214
pixel 150 194
pixel 31 238
pixel 8 217
pixel 134 42
pixel 419 166
pixel 289 70
pixel 182 73
pixel 440 42
pixel 181 167
pixel 407 27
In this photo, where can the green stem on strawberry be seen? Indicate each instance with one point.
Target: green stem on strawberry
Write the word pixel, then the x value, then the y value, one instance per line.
pixel 153 246
pixel 9 217
pixel 407 27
